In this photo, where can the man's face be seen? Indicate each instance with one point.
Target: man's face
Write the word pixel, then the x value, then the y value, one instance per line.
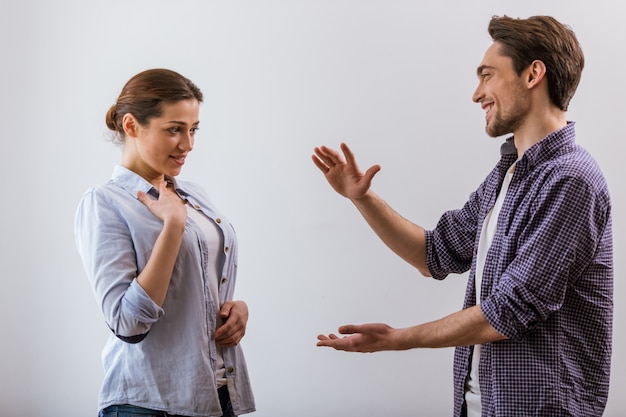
pixel 501 93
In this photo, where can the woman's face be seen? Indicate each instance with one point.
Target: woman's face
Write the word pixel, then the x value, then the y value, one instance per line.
pixel 160 148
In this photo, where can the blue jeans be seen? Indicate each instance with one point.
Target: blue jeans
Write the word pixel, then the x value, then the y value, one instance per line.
pixel 134 411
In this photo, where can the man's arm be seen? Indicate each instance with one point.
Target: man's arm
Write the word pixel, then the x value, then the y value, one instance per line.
pixel 463 328
pixel 404 238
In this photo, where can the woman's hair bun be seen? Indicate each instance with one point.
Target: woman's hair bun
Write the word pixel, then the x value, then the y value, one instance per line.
pixel 111 118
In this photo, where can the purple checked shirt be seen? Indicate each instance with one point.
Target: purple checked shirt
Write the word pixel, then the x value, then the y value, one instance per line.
pixel 547 283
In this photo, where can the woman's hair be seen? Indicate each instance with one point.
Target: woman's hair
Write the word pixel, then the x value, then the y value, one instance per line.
pixel 542 38
pixel 144 95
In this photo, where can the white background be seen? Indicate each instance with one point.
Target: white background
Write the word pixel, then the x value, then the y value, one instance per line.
pixel 393 79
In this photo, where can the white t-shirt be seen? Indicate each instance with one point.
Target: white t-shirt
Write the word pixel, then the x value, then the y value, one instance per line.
pixel 472 388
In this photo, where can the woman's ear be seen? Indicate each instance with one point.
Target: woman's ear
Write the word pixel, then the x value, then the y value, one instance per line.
pixel 130 125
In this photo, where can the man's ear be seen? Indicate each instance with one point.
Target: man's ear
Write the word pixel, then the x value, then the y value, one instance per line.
pixel 535 73
pixel 130 125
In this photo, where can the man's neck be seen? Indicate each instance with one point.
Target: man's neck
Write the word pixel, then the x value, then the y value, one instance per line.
pixel 536 128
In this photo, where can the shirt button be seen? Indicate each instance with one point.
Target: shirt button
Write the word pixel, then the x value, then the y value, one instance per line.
pixel 223 280
pixel 218 220
pixel 226 249
pixel 230 370
pixel 197 206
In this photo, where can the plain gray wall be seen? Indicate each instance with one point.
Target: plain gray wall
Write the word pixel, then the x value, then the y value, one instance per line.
pixel 393 79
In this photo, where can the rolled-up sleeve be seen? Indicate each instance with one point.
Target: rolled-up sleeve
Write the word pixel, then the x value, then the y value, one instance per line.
pixel 558 242
pixel 450 246
pixel 105 244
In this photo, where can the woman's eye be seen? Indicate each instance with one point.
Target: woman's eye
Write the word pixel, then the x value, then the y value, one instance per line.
pixel 194 130
pixel 174 130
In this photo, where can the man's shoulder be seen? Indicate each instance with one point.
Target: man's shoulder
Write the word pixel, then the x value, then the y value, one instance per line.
pixel 578 163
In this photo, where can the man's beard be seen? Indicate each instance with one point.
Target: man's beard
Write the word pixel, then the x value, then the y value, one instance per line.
pixel 504 125
pixel 509 122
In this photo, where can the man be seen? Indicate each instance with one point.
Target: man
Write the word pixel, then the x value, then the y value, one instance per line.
pixel 535 236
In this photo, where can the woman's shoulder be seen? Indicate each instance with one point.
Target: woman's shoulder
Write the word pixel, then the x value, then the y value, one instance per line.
pixel 108 195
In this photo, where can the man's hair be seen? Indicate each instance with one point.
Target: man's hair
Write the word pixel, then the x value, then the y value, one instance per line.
pixel 545 39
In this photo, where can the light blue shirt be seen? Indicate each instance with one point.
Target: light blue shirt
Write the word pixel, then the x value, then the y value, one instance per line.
pixel 158 358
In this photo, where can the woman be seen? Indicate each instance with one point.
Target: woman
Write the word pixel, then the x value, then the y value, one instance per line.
pixel 162 262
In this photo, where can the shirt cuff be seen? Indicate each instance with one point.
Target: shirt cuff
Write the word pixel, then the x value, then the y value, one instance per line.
pixel 140 306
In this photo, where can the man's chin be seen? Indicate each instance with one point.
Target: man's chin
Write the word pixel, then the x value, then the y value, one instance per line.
pixel 496 133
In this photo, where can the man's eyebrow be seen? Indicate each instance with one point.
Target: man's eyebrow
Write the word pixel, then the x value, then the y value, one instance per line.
pixel 481 68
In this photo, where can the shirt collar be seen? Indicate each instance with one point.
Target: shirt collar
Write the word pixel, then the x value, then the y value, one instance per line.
pixel 556 142
pixel 133 182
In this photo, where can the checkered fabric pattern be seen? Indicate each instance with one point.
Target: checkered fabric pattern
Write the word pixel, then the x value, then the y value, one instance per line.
pixel 547 283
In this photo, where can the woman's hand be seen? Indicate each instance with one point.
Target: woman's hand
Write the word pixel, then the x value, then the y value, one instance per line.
pixel 235 317
pixel 168 207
